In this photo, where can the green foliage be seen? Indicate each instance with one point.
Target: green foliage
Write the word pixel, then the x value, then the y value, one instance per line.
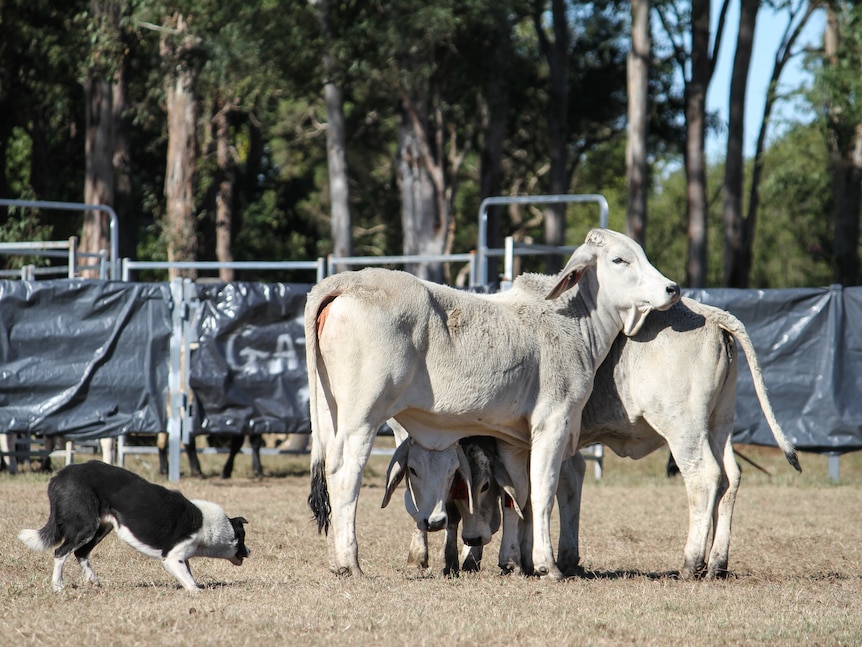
pixel 793 244
pixel 262 60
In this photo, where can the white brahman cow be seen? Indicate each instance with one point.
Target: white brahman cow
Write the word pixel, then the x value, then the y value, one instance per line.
pixel 673 382
pixel 445 364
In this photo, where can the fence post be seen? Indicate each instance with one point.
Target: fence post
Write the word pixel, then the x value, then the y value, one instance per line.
pixel 175 394
pixel 834 466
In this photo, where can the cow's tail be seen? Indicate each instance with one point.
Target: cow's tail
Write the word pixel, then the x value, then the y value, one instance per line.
pixel 736 328
pixel 318 497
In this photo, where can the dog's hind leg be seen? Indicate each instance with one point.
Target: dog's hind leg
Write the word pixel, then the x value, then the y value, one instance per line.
pixel 84 535
pixel 180 569
pixel 57 577
pixel 82 554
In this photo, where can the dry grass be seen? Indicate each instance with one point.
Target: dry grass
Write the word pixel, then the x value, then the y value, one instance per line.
pixel 796 558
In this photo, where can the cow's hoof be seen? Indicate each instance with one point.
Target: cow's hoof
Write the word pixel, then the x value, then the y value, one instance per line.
pixel 692 573
pixel 549 573
pixel 717 573
pixel 347 571
pixel 568 564
pixel 510 569
pixel 470 566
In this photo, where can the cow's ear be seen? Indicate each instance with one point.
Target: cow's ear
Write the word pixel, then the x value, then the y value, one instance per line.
pixel 510 498
pixel 585 256
pixel 466 474
pixel 501 474
pixel 396 471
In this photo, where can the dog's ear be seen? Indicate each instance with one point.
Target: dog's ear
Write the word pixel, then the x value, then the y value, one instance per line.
pixel 242 520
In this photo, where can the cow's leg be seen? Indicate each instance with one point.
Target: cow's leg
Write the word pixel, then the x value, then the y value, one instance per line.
pixel 509 560
pixel 236 441
pixel 417 555
pixel 50 443
pixel 256 442
pixel 450 545
pixel 569 499
pixel 162 447
pixel 718 556
pixel 703 476
pixel 471 558
pixel 548 443
pixel 107 447
pixel 516 462
pixel 7 445
pixel 192 455
pixel 346 457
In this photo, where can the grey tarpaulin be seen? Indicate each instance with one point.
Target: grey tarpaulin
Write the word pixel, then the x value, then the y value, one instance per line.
pixel 809 344
pixel 83 358
pixel 248 373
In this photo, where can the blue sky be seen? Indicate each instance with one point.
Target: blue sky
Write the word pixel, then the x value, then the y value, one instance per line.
pixel 770 28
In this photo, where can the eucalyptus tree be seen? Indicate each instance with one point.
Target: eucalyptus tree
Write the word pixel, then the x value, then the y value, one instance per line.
pixel 102 69
pixel 687 26
pixel 411 53
pixel 739 221
pixel 837 92
pixel 637 163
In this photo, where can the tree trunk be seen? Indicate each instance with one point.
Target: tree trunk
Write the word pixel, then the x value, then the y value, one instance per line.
pixel 224 196
pixel 846 185
pixel 181 109
pixel 336 151
pixel 695 156
pixel 556 53
pixel 424 229
pixel 496 103
pixel 122 161
pixel 40 179
pixel 637 169
pixel 336 145
pixel 99 168
pixel 846 160
pixel 735 268
pixel 792 32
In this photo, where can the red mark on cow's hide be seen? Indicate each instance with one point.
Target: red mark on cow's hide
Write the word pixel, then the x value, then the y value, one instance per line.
pixel 459 489
pixel 323 312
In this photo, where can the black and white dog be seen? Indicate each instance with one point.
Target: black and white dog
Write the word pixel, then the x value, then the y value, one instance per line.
pixel 89 499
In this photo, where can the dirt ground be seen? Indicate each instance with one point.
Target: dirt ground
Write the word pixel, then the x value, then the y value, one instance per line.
pixel 796 562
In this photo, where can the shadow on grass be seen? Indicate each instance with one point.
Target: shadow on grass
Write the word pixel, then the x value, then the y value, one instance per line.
pixel 625 574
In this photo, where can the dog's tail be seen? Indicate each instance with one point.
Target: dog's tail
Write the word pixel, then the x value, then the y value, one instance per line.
pixel 43 539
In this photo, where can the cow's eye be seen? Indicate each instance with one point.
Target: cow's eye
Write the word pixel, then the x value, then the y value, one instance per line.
pixel 412 472
pixel 619 261
pixel 485 487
